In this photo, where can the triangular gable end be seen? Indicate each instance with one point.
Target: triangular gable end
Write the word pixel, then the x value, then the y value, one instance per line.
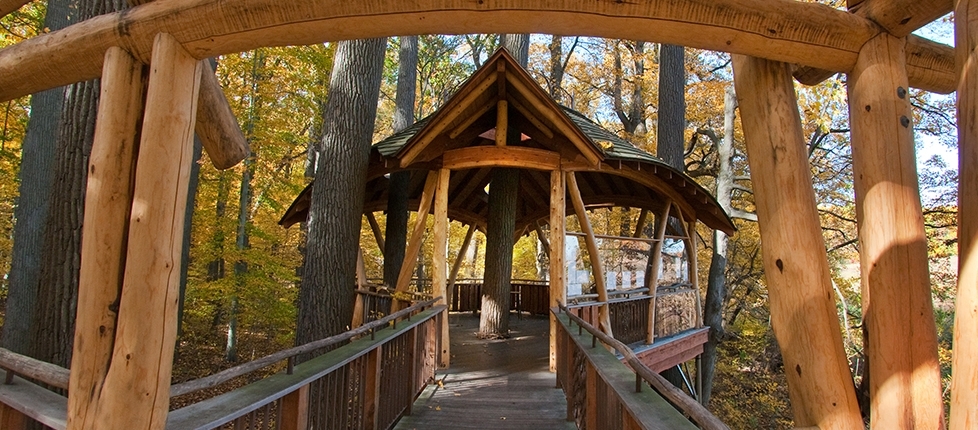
pixel 467 112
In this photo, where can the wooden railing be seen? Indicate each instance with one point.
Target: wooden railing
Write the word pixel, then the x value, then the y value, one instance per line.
pixel 366 384
pixel 603 393
pixel 528 296
pixel 675 312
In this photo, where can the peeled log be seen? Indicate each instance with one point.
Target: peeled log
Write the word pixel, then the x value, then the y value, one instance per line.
pixel 898 312
pixel 217 126
pixel 964 382
pixel 803 312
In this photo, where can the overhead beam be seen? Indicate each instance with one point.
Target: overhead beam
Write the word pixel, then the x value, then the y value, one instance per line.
pixel 500 156
pixel 784 30
pixel 900 18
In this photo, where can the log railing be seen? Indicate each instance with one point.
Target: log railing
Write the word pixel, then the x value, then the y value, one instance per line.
pixel 528 296
pixel 603 393
pixel 368 383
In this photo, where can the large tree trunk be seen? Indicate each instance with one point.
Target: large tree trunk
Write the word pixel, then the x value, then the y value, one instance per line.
pixel 31 213
pixel 501 223
pixel 395 240
pixel 326 293
pixel 58 287
pixel 717 283
pixel 669 140
pixel 503 189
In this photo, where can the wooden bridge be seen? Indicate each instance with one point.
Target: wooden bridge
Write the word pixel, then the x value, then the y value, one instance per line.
pixel 384 376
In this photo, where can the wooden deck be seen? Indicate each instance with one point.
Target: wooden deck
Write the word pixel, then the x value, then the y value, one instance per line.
pixel 502 384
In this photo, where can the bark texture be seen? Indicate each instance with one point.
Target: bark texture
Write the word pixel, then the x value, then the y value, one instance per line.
pixel 716 287
pixel 326 293
pixel 31 212
pixel 503 189
pixel 395 240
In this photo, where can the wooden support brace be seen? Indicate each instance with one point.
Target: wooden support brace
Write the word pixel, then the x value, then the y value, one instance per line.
pixel 558 272
pixel 108 200
pixel 640 224
pixel 656 264
pixel 597 268
pixel 440 257
pixel 502 121
pixel 414 245
pixel 803 311
pixel 218 129
pixel 458 264
pixel 135 393
pixel 898 313
pixel 375 228
pixel 964 382
pixel 542 238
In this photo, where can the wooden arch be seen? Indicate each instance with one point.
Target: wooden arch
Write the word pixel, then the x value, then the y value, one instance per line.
pixel 789 31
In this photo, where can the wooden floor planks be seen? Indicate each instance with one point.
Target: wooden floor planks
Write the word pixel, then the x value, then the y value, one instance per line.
pixel 502 384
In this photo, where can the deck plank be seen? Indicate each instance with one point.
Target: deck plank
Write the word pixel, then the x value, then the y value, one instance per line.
pixel 502 384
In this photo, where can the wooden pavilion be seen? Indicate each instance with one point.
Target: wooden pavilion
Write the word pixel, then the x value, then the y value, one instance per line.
pixel 126 320
pixel 561 153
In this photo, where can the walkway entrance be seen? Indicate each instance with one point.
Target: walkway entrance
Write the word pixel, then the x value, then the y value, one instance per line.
pixel 493 384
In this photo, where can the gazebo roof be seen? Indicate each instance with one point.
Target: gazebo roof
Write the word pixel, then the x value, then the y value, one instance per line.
pixel 461 136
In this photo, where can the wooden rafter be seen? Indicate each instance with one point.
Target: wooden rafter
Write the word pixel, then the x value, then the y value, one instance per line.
pixel 783 30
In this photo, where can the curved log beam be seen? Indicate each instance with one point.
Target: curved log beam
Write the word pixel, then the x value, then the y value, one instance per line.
pixel 783 30
pixel 218 129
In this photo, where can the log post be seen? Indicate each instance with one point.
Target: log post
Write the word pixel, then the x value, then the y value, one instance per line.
pixel 655 265
pixel 803 312
pixel 108 200
pixel 295 409
pixel 440 264
pixel 597 268
pixel 136 391
pixel 558 272
pixel 964 382
pixel 898 312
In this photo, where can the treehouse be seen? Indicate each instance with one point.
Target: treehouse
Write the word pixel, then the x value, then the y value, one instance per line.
pixel 566 164
pixel 125 327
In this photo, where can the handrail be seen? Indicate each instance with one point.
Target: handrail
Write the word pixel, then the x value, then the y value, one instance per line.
pixel 697 412
pixel 30 367
pixel 611 294
pixel 251 366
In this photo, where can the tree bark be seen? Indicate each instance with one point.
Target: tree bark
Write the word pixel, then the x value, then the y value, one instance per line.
pixel 31 213
pixel 716 283
pixel 672 105
pixel 326 293
pixel 631 113
pixel 501 222
pixel 397 193
pixel 58 287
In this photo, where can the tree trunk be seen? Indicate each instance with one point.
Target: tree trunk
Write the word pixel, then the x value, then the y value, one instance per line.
pixel 716 284
pixel 631 113
pixel 187 230
pixel 395 240
pixel 503 189
pixel 31 213
pixel 672 105
pixel 669 140
pixel 556 69
pixel 326 293
pixel 501 223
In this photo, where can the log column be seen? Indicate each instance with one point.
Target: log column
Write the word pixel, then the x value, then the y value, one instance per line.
pixel 898 313
pixel 440 263
pixel 136 390
pixel 803 312
pixel 964 383
pixel 558 271
pixel 108 200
